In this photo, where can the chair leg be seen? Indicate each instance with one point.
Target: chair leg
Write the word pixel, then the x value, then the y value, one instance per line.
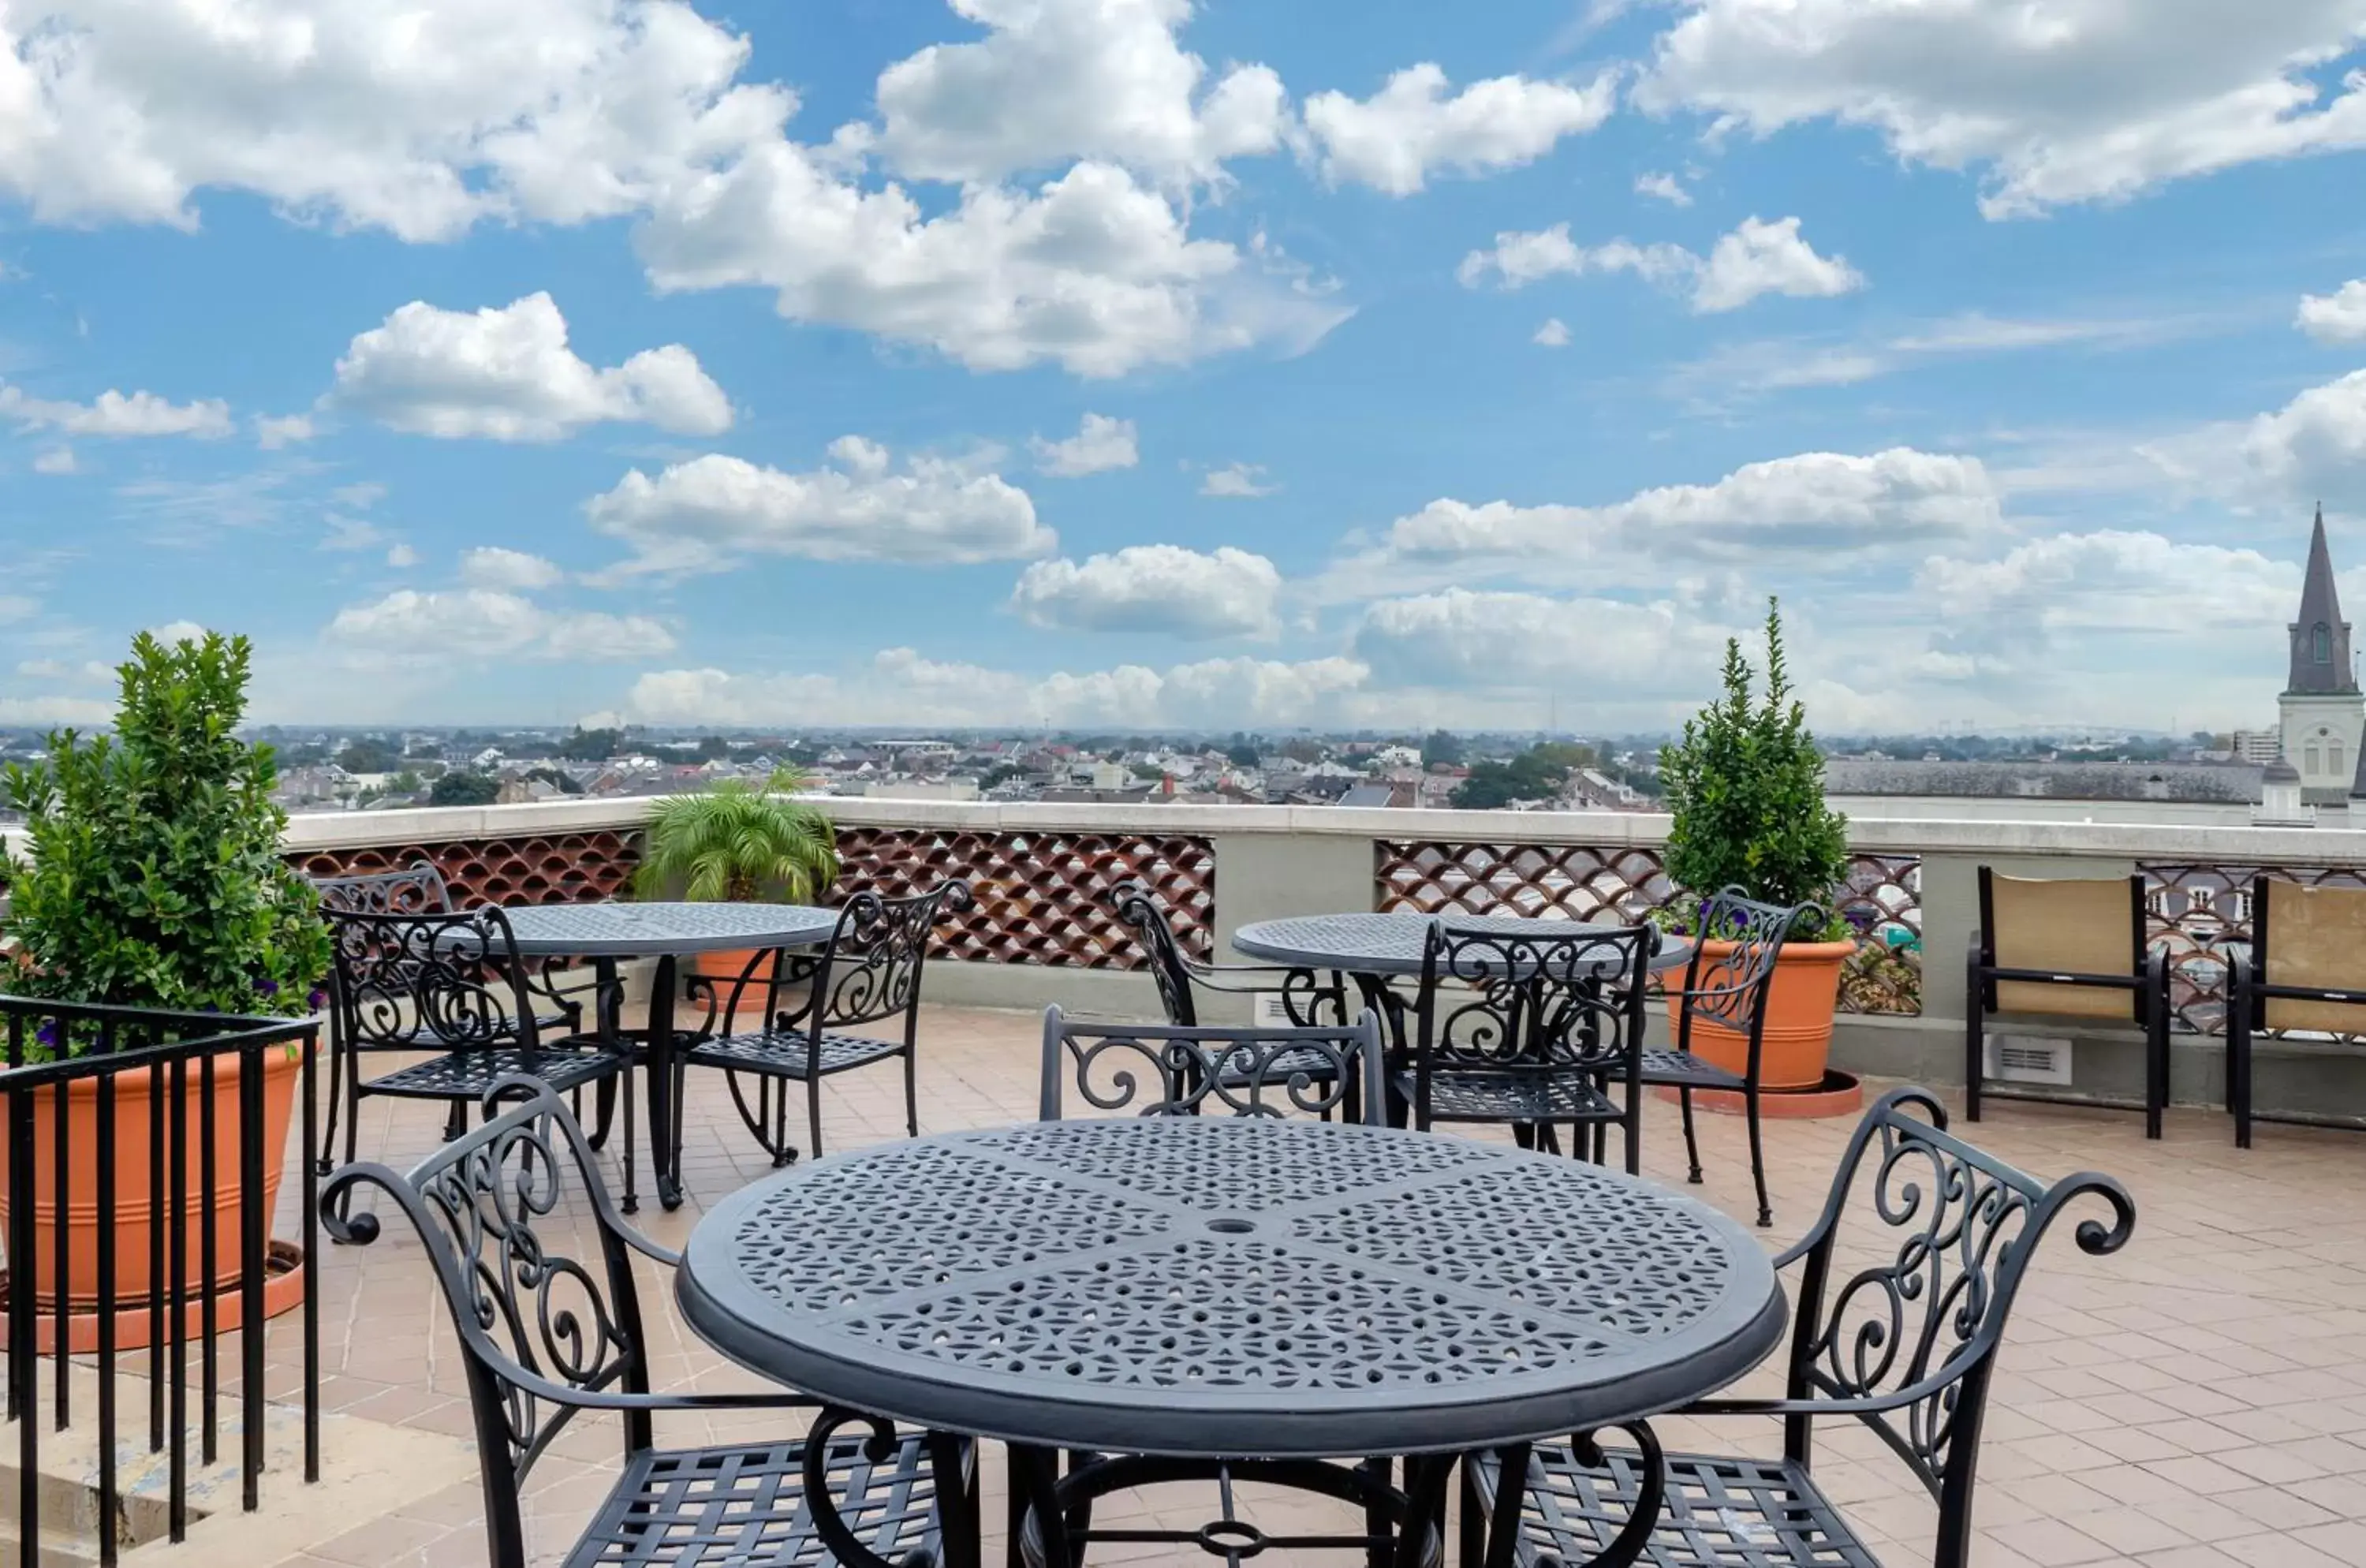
pixel 1472 1541
pixel 324 1158
pixel 1691 1143
pixel 813 1115
pixel 632 1193
pixel 604 1108
pixel 1757 1155
pixel 455 1121
pixel 2238 1070
pixel 911 1093
pixel 1975 1052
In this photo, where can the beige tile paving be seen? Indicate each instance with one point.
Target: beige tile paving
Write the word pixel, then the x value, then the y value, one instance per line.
pixel 2197 1399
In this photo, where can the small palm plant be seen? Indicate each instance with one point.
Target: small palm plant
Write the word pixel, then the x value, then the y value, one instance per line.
pixel 738 841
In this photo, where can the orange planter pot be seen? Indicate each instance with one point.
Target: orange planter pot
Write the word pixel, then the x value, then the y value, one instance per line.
pixel 137 1159
pixel 1797 1038
pixel 724 966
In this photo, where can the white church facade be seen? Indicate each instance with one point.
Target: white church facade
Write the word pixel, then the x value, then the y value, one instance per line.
pixel 2321 713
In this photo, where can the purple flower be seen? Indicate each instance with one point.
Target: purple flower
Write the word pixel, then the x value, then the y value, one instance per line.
pixel 317 999
pixel 266 987
pixel 47 1035
pixel 1860 917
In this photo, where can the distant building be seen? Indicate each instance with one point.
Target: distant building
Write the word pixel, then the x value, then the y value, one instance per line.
pixel 2259 747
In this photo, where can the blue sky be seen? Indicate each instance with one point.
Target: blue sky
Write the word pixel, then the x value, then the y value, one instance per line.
pixel 1090 362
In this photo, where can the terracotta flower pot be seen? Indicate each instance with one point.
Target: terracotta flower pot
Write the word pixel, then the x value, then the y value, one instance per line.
pixel 725 966
pixel 136 1157
pixel 1797 1038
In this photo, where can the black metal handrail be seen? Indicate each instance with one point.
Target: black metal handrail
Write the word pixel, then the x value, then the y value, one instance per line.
pixel 176 1055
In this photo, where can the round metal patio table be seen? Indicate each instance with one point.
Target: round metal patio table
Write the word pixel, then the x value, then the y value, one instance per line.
pixel 1390 944
pixel 606 933
pixel 1198 1287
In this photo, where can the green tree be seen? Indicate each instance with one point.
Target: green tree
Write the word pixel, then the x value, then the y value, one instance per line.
pixel 1241 755
pixel 1443 749
pixel 369 754
pixel 153 876
pixel 1745 786
pixel 464 786
pixel 591 745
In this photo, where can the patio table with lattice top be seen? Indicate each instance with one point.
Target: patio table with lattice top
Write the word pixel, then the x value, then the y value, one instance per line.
pixel 1198 1287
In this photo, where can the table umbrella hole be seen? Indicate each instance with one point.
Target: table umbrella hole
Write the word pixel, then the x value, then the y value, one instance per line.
pixel 1232 1225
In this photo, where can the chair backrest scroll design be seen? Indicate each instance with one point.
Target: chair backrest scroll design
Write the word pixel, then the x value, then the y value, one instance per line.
pixel 539 1329
pixel 1184 1071
pixel 1915 1330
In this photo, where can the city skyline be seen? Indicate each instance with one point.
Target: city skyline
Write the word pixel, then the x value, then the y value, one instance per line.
pixel 1152 365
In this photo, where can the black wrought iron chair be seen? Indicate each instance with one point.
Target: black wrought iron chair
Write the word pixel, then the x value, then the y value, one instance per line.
pixel 446 984
pixel 420 889
pixel 1905 1344
pixel 1308 998
pixel 1532 1032
pixel 869 972
pixel 2305 971
pixel 1242 1070
pixel 2062 947
pixel 547 1334
pixel 1727 992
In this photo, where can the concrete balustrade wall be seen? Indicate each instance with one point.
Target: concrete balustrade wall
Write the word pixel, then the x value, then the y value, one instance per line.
pixel 1279 861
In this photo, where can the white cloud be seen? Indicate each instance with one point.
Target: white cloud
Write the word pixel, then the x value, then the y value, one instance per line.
pixel 1411 128
pixel 402 556
pixel 1057 80
pixel 114 414
pixel 273 433
pixel 508 373
pixel 1092 271
pixel 1756 259
pixel 1554 333
pixel 1242 481
pixel 2119 582
pixel 360 496
pixel 1155 588
pixel 2316 444
pixel 1102 444
pixel 1818 509
pixel 56 460
pixel 707 513
pixel 172 632
pixel 1665 187
pixel 447 628
pixel 491 565
pixel 14 607
pixel 2055 101
pixel 89 672
pixel 428 119
pixel 2338 317
pixel 60 711
pixel 347 534
pixel 1605 648
pixel 902 684
pixel 1769 258
pixel 421 119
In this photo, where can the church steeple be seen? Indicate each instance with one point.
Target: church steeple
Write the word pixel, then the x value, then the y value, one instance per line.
pixel 2320 639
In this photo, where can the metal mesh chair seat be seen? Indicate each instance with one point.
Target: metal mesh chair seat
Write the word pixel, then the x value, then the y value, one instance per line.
pixel 790 1054
pixel 710 1507
pixel 1683 1069
pixel 1719 1512
pixel 1467 1095
pixel 466 1075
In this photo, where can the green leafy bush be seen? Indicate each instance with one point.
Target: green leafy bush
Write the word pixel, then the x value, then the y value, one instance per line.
pixel 1746 787
pixel 737 843
pixel 153 876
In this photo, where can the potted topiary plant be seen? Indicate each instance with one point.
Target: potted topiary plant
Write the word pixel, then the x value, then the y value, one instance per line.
pixel 1745 786
pixel 152 878
pixel 738 842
